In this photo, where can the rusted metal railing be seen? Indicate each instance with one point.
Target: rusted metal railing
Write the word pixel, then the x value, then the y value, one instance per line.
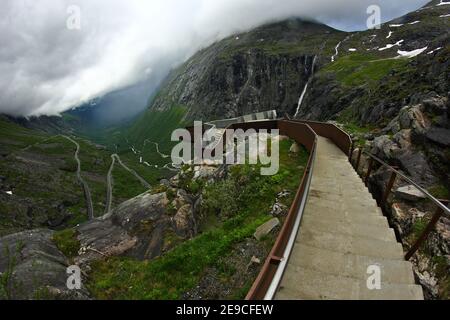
pixel 272 271
pixel 441 205
pixel 305 133
pixel 329 130
pixel 428 229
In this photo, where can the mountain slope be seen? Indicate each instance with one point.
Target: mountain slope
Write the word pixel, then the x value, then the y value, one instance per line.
pixel 267 68
pixel 369 76
pixel 259 70
pixel 361 79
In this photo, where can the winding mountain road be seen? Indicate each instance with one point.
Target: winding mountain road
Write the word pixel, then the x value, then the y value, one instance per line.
pixel 134 173
pixel 85 186
pixel 110 180
pixel 165 156
pixel 109 187
pixel 162 155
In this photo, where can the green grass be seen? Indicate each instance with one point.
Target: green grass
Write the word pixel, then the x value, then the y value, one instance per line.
pixel 347 119
pixel 441 268
pixel 171 275
pixel 150 174
pixel 358 69
pixel 67 242
pixel 158 127
pixel 98 193
pixel 419 227
pixel 78 213
pixel 53 181
pixel 297 44
pixel 17 137
pixel 440 191
pixel 126 186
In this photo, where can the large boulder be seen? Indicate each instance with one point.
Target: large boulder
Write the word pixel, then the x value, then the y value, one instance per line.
pixel 413 118
pixel 440 136
pixel 266 228
pixel 437 105
pixel 204 172
pixel 134 228
pixel 295 148
pixel 403 138
pixel 384 147
pixel 34 268
pixel 137 227
pixel 410 193
pixel 184 221
pixel 417 167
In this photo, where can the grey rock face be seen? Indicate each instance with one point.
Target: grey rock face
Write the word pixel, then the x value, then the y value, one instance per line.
pixel 34 268
pixel 134 228
pixel 258 71
pixel 383 146
pixel 420 142
pixel 440 136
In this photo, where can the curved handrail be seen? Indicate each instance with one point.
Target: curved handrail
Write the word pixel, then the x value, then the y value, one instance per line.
pixel 421 189
pixel 329 130
pixel 442 209
pixel 272 271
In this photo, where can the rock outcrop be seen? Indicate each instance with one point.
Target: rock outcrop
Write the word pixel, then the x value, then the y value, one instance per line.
pixel 415 141
pixel 136 228
pixel 32 267
pixel 266 228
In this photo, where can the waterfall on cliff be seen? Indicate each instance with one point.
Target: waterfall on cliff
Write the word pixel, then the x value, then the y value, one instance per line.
pixel 302 96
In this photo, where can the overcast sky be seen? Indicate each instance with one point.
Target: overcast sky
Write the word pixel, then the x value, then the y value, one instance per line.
pixel 47 68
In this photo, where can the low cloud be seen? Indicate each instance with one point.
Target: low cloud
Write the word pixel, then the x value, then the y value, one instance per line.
pixel 46 68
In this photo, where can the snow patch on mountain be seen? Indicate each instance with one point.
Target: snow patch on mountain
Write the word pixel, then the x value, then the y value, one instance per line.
pixel 433 51
pixel 389 46
pixel 443 3
pixel 411 54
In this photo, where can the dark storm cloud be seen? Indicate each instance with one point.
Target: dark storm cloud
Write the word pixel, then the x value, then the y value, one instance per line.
pixel 45 68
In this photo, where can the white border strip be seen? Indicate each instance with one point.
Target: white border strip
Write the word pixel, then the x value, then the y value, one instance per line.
pixel 290 245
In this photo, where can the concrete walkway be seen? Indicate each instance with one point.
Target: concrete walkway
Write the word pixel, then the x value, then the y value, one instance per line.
pixel 343 232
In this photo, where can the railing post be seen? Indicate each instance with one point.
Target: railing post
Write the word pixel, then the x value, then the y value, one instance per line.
pixel 352 148
pixel 358 160
pixel 389 187
pixel 426 232
pixel 369 171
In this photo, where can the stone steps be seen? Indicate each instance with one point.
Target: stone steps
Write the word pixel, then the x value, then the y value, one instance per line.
pixel 351 244
pixel 343 209
pixel 314 285
pixel 351 265
pixel 361 230
pixel 342 233
pixel 344 218
pixel 349 202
